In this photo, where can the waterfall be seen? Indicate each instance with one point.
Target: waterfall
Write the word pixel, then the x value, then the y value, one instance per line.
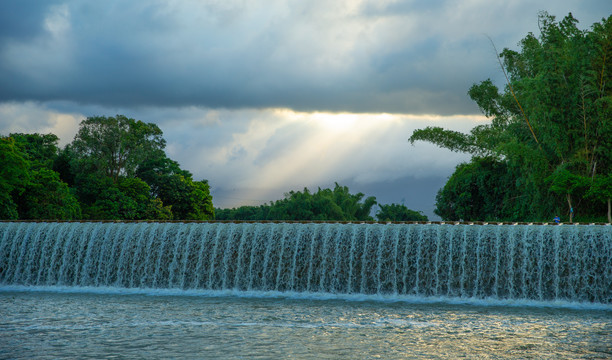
pixel 537 262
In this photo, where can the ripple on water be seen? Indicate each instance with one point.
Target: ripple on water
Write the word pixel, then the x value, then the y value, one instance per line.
pixel 63 324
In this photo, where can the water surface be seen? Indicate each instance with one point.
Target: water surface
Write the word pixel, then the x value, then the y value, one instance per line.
pixel 76 323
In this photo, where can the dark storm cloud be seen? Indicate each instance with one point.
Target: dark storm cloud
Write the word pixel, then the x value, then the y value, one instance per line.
pixel 368 56
pixel 22 20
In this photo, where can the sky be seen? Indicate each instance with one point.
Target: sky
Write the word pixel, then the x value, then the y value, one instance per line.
pixel 264 97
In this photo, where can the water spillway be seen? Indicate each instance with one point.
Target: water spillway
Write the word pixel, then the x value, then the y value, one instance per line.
pixel 547 263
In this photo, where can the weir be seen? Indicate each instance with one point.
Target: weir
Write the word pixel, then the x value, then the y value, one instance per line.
pixel 545 263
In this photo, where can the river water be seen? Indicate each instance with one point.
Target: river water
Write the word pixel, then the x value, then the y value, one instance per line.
pixel 96 323
pixel 304 291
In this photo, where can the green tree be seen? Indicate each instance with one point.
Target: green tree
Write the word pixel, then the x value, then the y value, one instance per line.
pixel 601 190
pixel 297 205
pixel 29 188
pixel 188 199
pixel 324 205
pixel 354 206
pixel 47 197
pixel 397 212
pixel 244 213
pixel 114 146
pixel 140 204
pixel 554 113
pixel 567 183
pixel 14 173
pixel 478 190
pixel 100 198
pixel 144 183
pixel 63 165
pixel 128 199
pixel 41 150
pixel 44 195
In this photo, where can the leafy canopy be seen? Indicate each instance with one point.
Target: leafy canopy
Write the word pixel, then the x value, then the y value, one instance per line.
pixel 115 146
pixel 326 204
pixel 553 116
pixel 115 169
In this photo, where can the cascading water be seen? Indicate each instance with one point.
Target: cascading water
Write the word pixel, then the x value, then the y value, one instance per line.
pixel 546 263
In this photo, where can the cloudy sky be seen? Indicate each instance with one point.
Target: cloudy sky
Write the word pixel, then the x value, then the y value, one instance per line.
pixel 263 97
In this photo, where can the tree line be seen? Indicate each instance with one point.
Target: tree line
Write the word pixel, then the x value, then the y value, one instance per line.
pixel 114 169
pixel 548 148
pixel 336 204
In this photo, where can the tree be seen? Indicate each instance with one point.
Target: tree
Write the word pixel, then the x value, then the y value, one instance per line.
pixel 44 195
pixel 352 205
pixel 100 198
pixel 188 199
pixel 140 204
pixel 553 115
pixel 14 172
pixel 47 197
pixel 114 146
pixel 324 205
pixel 100 168
pixel 244 213
pixel 601 190
pixel 195 202
pixel 41 150
pixel 29 188
pixel 567 183
pixel 128 199
pixel 396 212
pixel 478 190
pixel 144 182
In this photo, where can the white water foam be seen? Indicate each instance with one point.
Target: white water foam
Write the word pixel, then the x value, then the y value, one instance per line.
pixel 383 299
pixel 558 266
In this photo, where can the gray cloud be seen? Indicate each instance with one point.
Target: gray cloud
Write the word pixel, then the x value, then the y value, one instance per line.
pixel 265 97
pixel 369 56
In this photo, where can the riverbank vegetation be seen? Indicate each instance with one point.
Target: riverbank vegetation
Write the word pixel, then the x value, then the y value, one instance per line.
pixel 324 205
pixel 114 169
pixel 548 148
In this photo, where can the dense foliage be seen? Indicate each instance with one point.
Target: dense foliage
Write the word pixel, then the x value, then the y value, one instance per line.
pixel 29 188
pixel 548 148
pixel 114 169
pixel 397 212
pixel 324 205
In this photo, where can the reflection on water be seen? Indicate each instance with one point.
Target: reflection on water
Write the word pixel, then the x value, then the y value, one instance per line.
pixel 39 324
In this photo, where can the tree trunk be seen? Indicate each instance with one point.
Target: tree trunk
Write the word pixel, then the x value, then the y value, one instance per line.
pixel 609 211
pixel 571 209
